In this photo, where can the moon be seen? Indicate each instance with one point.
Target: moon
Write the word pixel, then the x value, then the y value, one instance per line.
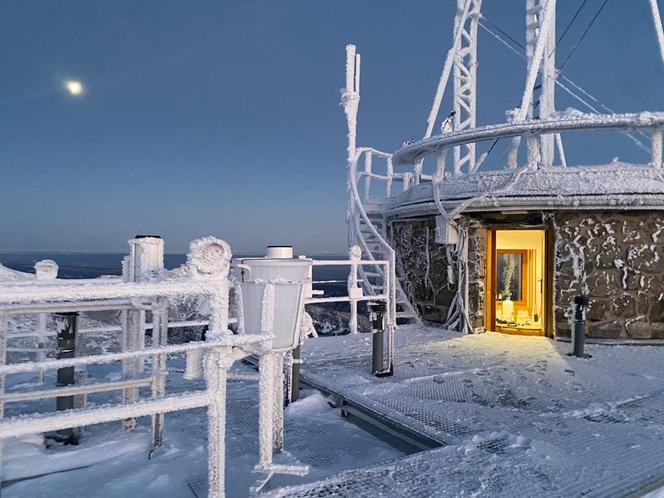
pixel 74 87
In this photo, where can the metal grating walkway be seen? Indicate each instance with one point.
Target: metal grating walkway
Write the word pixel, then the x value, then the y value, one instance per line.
pixel 515 416
pixel 323 443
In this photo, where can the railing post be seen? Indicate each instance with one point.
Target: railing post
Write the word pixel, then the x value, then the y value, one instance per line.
pixel 45 269
pixel 390 175
pixel 296 361
pixel 354 253
pixel 417 172
pixel 367 174
pixel 67 327
pixel 145 263
pixel 657 148
pixel 441 154
pixel 278 399
pixel 217 362
pixel 3 361
pixel 406 181
pixel 266 383
pixel 159 338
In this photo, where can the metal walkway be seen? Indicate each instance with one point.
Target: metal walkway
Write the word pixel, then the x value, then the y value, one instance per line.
pixel 515 416
pixel 311 437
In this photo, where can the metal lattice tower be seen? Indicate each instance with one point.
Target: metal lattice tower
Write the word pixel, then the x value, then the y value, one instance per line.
pixel 465 79
pixel 543 102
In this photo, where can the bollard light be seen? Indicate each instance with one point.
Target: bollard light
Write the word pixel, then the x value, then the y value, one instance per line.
pixel 272 295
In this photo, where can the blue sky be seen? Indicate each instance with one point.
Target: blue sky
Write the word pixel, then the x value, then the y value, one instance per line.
pixel 222 117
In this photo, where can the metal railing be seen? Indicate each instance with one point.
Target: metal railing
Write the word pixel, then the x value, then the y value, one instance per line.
pixel 207 275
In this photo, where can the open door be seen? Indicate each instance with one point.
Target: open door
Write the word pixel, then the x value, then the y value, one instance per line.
pixel 517 281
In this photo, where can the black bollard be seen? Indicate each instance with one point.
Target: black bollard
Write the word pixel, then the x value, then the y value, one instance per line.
pixel 579 333
pixel 67 328
pixel 295 375
pixel 376 315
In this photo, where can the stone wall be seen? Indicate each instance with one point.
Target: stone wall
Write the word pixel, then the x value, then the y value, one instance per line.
pixel 422 264
pixel 477 245
pixel 618 260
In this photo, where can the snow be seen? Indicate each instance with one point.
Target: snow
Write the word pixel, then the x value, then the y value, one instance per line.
pixel 516 415
pixel 111 462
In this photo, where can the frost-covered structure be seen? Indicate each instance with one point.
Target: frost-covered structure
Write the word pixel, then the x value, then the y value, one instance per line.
pixel 508 249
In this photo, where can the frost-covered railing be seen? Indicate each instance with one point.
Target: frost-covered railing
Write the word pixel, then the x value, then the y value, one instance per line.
pixel 353 285
pixel 148 290
pixel 651 123
pixel 367 177
pixel 219 355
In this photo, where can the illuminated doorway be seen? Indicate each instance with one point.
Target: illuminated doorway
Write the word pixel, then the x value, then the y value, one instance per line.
pixel 516 281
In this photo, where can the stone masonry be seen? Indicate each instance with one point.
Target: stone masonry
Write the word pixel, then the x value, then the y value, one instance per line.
pixel 617 259
pixel 422 266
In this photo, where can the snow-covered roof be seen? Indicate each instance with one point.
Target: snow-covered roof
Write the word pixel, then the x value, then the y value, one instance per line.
pixel 617 184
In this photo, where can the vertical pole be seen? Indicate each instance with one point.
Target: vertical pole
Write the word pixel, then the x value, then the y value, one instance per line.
pixel 266 382
pixel 578 337
pixel 417 172
pixel 159 338
pixel 367 174
pixel 145 263
pixel 351 99
pixel 295 374
pixel 67 327
pixel 45 269
pixel 440 163
pixel 378 337
pixel 278 400
pixel 217 362
pixel 3 361
pixel 354 253
pixel 390 174
pixel 657 148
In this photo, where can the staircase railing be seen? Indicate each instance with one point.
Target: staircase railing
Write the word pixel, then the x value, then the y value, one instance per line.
pixel 357 213
pixel 358 218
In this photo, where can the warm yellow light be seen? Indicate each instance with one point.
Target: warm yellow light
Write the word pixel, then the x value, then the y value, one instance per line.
pixel 74 87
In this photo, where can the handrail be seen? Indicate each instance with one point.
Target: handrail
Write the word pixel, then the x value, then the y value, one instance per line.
pixel 412 153
pixel 355 197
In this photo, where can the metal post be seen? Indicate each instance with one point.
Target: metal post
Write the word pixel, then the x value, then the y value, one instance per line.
pixel 216 365
pixel 145 263
pixel 66 326
pixel 44 270
pixel 355 254
pixel 3 361
pixel 279 402
pixel 578 335
pixel 295 375
pixel 376 316
pixel 266 383
pixel 159 338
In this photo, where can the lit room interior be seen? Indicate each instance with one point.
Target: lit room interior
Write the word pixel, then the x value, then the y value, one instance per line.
pixel 518 273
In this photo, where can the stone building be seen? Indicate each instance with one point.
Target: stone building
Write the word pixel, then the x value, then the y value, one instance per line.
pixel 507 248
pixel 554 234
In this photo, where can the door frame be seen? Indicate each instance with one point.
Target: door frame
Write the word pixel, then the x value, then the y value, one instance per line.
pixel 490 278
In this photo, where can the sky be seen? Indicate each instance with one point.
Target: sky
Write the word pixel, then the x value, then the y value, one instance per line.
pixel 222 117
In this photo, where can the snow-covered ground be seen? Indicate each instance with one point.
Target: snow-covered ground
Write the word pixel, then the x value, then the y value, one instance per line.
pixel 111 462
pixel 515 416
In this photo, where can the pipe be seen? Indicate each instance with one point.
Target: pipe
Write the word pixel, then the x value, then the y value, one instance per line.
pixel 67 325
